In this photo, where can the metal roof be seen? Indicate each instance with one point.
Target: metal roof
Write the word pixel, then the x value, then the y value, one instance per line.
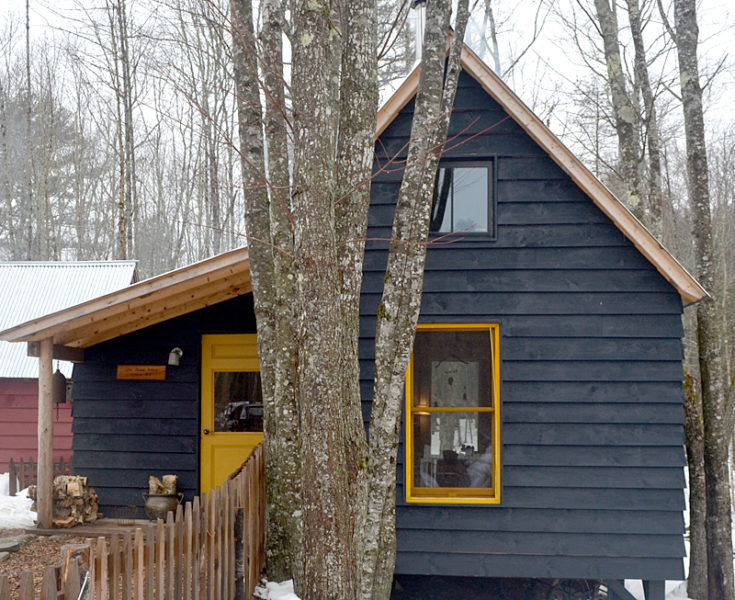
pixel 29 290
pixel 145 303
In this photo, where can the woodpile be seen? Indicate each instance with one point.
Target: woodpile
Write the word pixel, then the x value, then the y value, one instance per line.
pixel 74 501
pixel 166 486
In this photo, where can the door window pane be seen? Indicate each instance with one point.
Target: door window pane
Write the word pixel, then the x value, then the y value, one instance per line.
pixel 238 401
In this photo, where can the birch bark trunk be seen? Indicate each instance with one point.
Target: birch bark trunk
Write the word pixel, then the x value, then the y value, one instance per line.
pixel 623 110
pixel 400 304
pixel 653 206
pixel 270 241
pixel 718 520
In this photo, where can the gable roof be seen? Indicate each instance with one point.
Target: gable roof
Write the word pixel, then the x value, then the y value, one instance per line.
pixel 689 289
pixel 32 289
pixel 142 304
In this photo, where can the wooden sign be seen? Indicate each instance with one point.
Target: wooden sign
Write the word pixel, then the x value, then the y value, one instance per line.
pixel 143 372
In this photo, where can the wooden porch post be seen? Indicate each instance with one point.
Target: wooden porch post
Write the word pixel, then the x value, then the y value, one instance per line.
pixel 45 435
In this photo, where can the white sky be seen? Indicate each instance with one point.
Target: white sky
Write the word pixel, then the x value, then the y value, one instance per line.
pixel 549 66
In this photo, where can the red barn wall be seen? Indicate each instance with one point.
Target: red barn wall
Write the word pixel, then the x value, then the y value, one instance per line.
pixel 18 423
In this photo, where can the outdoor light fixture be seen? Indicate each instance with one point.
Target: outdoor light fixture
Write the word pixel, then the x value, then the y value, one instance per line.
pixel 174 357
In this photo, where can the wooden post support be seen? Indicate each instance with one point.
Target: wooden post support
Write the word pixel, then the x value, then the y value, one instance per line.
pixel 44 491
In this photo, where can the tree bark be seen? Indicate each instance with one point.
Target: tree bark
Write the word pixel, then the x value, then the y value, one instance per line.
pixel 697 578
pixel 653 205
pixel 623 109
pixel 270 241
pixel 718 521
pixel 400 304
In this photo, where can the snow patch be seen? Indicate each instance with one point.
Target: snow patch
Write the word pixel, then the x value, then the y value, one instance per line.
pixel 15 511
pixel 276 591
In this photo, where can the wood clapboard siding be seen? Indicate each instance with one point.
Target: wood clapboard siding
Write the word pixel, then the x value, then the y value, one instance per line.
pixel 19 423
pixel 125 431
pixel 592 417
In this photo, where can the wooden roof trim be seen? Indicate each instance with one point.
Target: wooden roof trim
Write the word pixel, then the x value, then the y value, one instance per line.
pixel 155 311
pixel 397 101
pixel 162 309
pixel 689 289
pixel 190 278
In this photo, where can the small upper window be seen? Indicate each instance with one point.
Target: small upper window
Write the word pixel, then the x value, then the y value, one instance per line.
pixel 463 198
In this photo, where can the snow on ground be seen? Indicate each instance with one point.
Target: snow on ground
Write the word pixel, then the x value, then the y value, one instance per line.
pixel 15 511
pixel 276 591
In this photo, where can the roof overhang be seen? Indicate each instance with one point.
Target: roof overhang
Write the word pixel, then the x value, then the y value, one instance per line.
pixel 140 305
pixel 688 287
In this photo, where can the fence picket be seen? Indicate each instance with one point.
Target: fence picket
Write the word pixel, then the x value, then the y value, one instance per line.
pixel 139 586
pixel 180 556
pixel 26 586
pixel 127 567
pixel 170 557
pixel 72 584
pixel 4 587
pixel 150 560
pixel 12 480
pixel 103 568
pixel 48 584
pixel 160 561
pixel 196 540
pixel 217 522
pixel 91 583
pixel 211 528
pixel 188 554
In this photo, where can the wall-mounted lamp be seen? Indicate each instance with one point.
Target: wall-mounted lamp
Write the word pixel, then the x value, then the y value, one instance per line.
pixel 174 357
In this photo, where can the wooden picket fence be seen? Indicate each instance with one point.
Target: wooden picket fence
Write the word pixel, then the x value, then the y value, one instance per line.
pixel 25 473
pixel 212 549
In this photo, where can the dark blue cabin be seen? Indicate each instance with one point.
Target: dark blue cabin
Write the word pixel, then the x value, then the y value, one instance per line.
pixel 543 434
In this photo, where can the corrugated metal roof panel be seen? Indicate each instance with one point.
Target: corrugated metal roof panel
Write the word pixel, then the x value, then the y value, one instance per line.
pixel 33 289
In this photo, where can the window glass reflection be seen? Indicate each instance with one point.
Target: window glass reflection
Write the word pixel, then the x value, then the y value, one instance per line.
pixel 238 401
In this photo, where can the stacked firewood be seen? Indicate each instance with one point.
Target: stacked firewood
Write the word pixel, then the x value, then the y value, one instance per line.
pixel 74 501
pixel 166 486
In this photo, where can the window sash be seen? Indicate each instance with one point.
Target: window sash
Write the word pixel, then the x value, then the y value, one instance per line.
pixel 416 409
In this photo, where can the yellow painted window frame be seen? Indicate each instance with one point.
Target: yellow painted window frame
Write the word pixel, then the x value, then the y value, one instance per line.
pixel 456 495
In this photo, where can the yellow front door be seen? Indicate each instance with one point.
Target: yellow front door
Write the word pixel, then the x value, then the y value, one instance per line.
pixel 232 405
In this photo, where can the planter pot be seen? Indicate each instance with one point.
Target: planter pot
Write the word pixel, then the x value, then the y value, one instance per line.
pixel 157 505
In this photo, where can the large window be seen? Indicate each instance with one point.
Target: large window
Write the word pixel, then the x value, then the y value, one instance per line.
pixel 453 415
pixel 463 198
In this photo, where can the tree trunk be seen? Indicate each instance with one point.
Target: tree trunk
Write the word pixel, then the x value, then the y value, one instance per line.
pixel 653 204
pixel 697 579
pixel 623 109
pixel 270 241
pixel 401 301
pixel 718 523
